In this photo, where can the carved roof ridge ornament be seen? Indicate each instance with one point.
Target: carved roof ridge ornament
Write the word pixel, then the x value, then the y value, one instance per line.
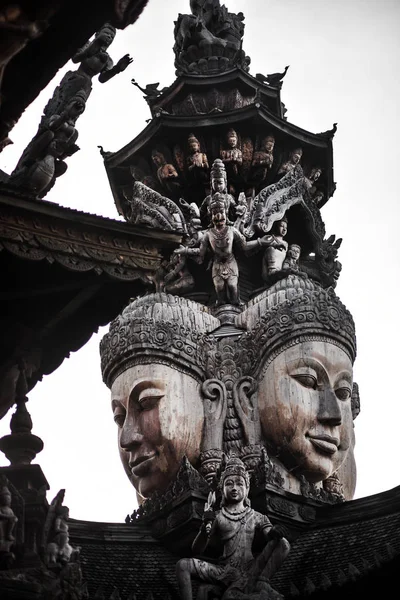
pixel 209 40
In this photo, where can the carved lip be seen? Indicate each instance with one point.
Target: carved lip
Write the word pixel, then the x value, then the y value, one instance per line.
pixel 141 464
pixel 324 442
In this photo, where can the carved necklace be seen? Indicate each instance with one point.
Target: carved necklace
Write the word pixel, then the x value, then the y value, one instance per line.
pixel 235 516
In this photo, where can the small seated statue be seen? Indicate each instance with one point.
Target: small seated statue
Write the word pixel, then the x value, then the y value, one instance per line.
pixel 166 173
pixel 312 178
pixel 238 572
pixel 263 160
pixel 8 520
pixel 292 258
pixel 289 165
pixel 196 159
pixel 276 250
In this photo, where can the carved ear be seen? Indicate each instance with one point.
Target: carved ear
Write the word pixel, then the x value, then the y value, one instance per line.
pixel 245 402
pixel 355 401
pixel 215 407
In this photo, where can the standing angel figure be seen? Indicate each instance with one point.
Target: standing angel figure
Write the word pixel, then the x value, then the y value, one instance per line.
pixel 238 572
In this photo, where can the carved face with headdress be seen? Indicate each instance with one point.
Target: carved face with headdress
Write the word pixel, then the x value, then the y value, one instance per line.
pixel 234 482
pixel 218 176
pixel 106 34
pixel 305 341
pixel 154 365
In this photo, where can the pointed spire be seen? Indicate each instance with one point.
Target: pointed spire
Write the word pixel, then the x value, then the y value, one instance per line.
pixel 115 595
pixel 21 446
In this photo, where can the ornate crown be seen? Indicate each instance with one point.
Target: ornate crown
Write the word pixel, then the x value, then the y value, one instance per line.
pixel 218 169
pixel 234 466
pixel 292 309
pixel 158 328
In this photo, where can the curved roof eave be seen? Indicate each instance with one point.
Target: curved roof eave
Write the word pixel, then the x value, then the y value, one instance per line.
pixel 251 112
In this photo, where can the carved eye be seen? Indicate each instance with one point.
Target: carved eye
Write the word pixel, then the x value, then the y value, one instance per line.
pixel 308 381
pixel 149 402
pixel 119 418
pixel 343 393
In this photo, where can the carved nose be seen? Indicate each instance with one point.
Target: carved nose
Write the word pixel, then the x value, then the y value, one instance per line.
pixel 131 435
pixel 329 408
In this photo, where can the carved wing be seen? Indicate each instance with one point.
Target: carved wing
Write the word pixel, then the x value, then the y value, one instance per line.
pixel 151 208
pixel 273 201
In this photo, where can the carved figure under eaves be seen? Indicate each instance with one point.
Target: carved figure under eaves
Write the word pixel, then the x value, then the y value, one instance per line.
pixel 232 157
pixel 313 176
pixel 196 161
pixel 219 184
pixel 291 163
pixel 237 574
pixel 209 39
pixel 148 207
pixel 166 173
pixel 262 161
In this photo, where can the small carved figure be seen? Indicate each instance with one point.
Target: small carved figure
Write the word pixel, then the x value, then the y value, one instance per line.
pixel 294 160
pixel 232 156
pixel 237 572
pixel 94 59
pixel 275 253
pixel 312 178
pixel 218 185
pixel 318 197
pixel 220 240
pixel 292 258
pixel 177 278
pixel 166 173
pixel 263 160
pixel 196 159
pixel 44 158
pixel 58 548
pixel 8 519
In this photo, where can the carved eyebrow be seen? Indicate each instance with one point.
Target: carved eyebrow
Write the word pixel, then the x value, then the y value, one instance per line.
pixel 141 386
pixel 344 376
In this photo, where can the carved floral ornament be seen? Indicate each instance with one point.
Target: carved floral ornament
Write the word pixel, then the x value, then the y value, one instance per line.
pixel 295 316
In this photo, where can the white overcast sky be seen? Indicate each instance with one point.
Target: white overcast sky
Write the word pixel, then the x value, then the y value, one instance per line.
pixel 343 58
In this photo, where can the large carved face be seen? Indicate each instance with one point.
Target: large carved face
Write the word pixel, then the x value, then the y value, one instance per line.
pixel 305 408
pixel 159 414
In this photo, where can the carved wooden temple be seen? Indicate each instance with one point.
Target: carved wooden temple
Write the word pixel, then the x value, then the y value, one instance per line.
pixel 229 355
